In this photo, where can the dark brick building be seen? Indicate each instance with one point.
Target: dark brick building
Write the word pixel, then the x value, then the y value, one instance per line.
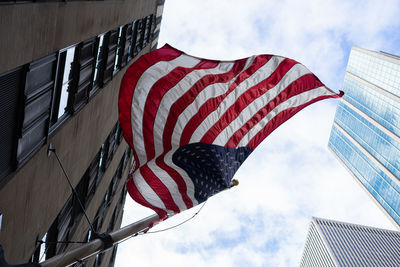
pixel 61 64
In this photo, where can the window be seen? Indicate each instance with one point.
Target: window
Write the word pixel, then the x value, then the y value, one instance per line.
pixel 59 230
pixel 98 260
pixel 124 44
pixel 147 30
pixel 110 146
pixel 36 101
pixel 153 27
pixel 40 250
pixel 96 223
pixel 89 235
pixel 111 40
pixel 121 199
pixel 65 79
pixel 126 158
pixel 139 36
pixel 120 44
pixel 82 192
pixel 99 65
pixel 114 182
pixel 128 44
pixel 103 156
pixel 122 196
pixel 132 51
pixel 107 196
pixel 112 220
pixel 107 152
pixel 130 151
pixel 118 133
pixel 113 140
pixel 101 212
pixel 92 173
pixel 85 66
pixel 64 221
pixel 113 255
pixel 10 86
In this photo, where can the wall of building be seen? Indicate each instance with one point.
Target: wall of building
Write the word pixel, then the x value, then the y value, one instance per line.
pixel 31 197
pixel 316 252
pixel 365 134
pixel 354 245
pixel 35 30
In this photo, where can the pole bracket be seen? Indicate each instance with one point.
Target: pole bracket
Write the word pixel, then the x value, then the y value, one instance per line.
pixel 106 238
pixel 50 149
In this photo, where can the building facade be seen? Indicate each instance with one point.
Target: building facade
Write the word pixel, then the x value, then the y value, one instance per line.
pixel 331 243
pixel 365 135
pixel 61 65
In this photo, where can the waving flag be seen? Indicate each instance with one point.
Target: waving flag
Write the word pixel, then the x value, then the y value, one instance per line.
pixel 191 122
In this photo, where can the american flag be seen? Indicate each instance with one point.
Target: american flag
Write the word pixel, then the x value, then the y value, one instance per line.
pixel 191 122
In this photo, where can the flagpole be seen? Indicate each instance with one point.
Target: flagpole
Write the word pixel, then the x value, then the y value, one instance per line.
pixel 96 246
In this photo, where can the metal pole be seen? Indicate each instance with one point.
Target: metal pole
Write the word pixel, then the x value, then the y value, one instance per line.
pixel 95 246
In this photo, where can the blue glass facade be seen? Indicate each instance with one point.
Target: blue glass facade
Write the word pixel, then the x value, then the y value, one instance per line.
pixel 366 132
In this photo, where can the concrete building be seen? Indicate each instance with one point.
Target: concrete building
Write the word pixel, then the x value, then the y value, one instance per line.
pixel 332 243
pixel 365 135
pixel 61 64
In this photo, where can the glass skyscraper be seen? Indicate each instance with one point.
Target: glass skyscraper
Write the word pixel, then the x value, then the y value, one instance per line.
pixel 332 243
pixel 366 131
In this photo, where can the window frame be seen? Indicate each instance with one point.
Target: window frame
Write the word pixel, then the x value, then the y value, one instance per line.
pixel 85 61
pixel 99 66
pixel 55 120
pixel 10 146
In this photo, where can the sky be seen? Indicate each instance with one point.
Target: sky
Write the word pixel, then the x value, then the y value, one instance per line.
pixel 292 175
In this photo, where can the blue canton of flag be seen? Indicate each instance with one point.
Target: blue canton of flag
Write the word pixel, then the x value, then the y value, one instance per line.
pixel 210 167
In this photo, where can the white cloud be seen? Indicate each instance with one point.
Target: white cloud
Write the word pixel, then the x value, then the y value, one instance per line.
pixel 291 176
pixel 264 221
pixel 317 33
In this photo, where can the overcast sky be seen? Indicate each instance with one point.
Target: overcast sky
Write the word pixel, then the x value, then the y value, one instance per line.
pixel 292 175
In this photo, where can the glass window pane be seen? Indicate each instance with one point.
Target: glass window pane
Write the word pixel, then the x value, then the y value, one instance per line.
pixel 118 54
pixel 98 59
pixel 43 248
pixel 66 81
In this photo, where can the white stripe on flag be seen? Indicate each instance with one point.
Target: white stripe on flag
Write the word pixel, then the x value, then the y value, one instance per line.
pixel 211 91
pixel 144 84
pixel 169 183
pixel 148 193
pixel 177 92
pixel 260 75
pixel 292 102
pixel 247 113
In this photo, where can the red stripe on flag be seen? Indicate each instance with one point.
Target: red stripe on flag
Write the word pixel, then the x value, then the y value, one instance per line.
pixel 182 187
pixel 246 98
pixel 159 188
pixel 128 84
pixel 137 196
pixel 181 104
pixel 302 84
pixel 156 93
pixel 213 103
pixel 281 118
